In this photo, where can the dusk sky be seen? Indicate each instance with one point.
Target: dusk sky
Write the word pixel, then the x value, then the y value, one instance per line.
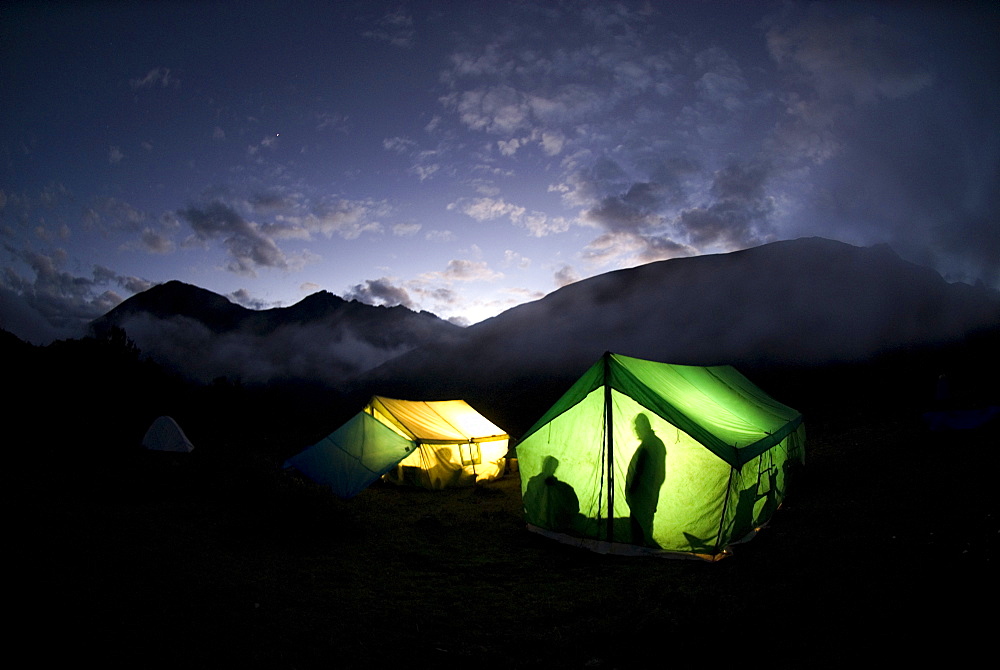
pixel 465 157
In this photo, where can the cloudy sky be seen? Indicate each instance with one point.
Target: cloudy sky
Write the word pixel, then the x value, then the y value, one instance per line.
pixel 463 158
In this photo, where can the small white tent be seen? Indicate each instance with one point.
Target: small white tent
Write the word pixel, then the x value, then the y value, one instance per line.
pixel 165 435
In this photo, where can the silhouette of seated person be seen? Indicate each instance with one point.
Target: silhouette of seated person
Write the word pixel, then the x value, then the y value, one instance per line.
pixel 646 474
pixel 550 503
pixel 743 519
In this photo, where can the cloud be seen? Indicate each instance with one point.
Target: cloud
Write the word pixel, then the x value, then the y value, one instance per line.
pixel 56 303
pixel 406 229
pixel 424 171
pixel 155 242
pixel 244 298
pixel 347 218
pixel 867 180
pixel 627 249
pixel 109 215
pixel 437 286
pixel 856 57
pixel 508 147
pixel 133 284
pixel 592 179
pixel 440 236
pixel 466 270
pixel 63 232
pixel 537 223
pixel 722 84
pixel 247 247
pixel 724 224
pixel 661 248
pixel 157 77
pixel 565 276
pixel 495 109
pixel 18 315
pixel 540 225
pixel 270 202
pixel 115 155
pixel 657 185
pixel 395 28
pixel 740 182
pixel 834 65
pixel 380 291
pixel 425 163
pixel 331 121
pixel 266 142
pixel 398 144
pixel 512 258
pixel 296 351
pixel 544 83
pixel 740 215
pixel 612 245
pixel 670 147
pixel 553 142
pixel 488 209
pixel 633 210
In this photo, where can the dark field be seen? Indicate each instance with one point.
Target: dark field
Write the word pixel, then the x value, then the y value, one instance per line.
pixel 883 549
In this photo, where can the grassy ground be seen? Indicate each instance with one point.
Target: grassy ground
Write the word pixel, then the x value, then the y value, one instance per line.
pixel 210 561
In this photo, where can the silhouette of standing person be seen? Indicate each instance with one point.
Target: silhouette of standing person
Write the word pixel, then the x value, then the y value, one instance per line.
pixel 646 474
pixel 548 502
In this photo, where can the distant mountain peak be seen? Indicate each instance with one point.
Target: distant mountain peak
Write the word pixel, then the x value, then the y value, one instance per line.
pixel 204 335
pixel 176 298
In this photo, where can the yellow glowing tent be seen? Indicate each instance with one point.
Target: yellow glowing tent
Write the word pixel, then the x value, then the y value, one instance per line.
pixel 433 444
pixel 455 444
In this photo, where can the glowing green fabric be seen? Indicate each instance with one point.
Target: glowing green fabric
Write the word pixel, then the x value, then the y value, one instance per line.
pixel 353 456
pixel 690 458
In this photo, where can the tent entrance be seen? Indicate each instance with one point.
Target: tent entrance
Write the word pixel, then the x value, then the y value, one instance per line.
pixel 470 453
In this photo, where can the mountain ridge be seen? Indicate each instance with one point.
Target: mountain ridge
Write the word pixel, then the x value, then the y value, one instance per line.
pixel 792 302
pixel 802 302
pixel 204 336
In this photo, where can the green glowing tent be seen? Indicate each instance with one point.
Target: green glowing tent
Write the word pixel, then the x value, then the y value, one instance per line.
pixel 644 457
pixel 350 458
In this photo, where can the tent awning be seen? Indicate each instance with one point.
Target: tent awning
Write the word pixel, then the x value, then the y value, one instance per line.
pixel 437 421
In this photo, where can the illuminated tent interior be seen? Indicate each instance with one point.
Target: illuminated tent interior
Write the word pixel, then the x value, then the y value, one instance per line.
pixel 433 444
pixel 642 457
pixel 165 435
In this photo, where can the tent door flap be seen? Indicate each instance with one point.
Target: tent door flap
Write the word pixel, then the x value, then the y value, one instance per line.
pixel 471 453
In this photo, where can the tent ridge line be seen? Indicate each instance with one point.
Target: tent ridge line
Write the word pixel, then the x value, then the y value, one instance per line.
pixel 711 442
pixel 444 418
pixel 752 451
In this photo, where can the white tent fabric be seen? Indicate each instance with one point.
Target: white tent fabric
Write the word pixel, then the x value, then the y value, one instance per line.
pixel 165 435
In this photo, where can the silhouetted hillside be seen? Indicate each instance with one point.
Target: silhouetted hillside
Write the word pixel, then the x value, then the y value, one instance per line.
pixel 806 303
pixel 859 321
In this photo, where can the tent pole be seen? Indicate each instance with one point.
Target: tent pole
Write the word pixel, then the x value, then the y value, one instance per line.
pixel 725 508
pixel 610 443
